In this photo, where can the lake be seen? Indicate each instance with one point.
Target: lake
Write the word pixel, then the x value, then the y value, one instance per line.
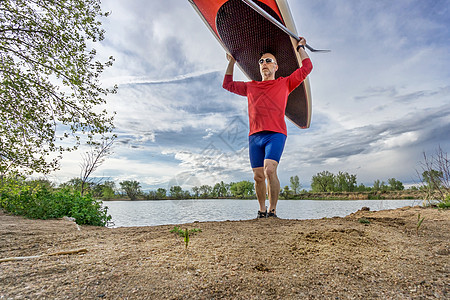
pixel 164 212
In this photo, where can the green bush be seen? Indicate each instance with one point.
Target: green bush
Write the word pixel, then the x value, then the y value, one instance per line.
pixel 445 204
pixel 41 202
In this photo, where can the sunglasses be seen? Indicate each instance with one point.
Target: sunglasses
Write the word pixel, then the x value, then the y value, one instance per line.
pixel 267 60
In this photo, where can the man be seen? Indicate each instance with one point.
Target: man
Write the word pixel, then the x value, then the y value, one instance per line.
pixel 266 107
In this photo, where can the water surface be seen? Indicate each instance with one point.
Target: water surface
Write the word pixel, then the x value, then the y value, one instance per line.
pixel 163 212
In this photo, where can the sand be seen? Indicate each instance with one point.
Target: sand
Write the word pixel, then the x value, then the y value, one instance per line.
pixel 330 258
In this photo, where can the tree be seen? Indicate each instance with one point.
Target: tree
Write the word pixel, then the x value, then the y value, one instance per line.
pixel 132 188
pixel 295 184
pixel 74 184
pixel 436 176
pixel 205 191
pixel 93 158
pixel 285 192
pixel 161 193
pixel 41 182
pixel 176 192
pixel 196 191
pixel 49 81
pixel 186 195
pixel 322 182
pixel 344 182
pixel 362 188
pixel 220 189
pixel 395 185
pixel 379 186
pixel 376 185
pixel 432 178
pixel 108 190
pixel 242 189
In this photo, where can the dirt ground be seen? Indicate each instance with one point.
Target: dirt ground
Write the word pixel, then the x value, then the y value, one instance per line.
pixel 330 258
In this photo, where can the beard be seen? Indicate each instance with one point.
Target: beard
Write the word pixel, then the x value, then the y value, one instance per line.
pixel 266 72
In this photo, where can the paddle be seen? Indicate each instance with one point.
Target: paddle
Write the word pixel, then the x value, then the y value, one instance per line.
pixel 274 21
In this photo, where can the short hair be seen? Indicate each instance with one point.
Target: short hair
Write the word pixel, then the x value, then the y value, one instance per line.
pixel 266 52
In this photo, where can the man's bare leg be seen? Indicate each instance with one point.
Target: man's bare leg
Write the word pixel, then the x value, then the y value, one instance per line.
pixel 260 187
pixel 270 172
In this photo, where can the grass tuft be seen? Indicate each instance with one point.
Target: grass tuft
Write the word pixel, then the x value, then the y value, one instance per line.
pixel 363 220
pixel 185 233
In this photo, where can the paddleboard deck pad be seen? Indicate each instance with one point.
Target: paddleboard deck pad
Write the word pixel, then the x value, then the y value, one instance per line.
pixel 246 34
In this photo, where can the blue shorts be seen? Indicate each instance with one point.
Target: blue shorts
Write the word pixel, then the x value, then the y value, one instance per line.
pixel 265 145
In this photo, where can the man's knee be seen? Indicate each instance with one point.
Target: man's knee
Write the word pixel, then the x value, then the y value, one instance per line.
pixel 258 175
pixel 269 172
pixel 270 169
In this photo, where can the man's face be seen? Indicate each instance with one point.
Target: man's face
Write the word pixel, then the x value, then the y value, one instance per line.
pixel 267 69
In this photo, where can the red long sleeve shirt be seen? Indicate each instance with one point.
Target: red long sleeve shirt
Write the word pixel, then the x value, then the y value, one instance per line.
pixel 267 99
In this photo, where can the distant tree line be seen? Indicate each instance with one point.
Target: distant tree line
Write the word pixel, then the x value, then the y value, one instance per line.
pixel 132 189
pixel 241 189
pixel 322 182
pixel 344 182
pixel 327 182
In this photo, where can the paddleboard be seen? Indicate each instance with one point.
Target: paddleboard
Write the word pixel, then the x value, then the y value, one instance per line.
pixel 245 34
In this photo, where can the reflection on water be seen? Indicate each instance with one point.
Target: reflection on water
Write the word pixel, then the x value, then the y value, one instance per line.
pixel 162 212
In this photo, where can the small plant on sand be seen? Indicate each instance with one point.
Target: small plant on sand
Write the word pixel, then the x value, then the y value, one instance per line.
pixel 419 223
pixel 363 221
pixel 185 233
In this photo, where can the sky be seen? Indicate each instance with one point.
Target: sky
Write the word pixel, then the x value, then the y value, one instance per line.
pixel 380 98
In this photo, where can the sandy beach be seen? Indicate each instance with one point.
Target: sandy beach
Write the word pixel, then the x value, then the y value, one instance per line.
pixel 333 258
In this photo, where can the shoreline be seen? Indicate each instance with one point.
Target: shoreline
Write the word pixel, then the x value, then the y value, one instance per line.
pixel 390 195
pixel 254 199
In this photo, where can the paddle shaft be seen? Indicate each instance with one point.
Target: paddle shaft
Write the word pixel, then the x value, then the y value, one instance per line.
pixel 275 22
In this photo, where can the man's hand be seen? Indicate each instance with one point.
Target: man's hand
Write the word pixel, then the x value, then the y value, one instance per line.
pixel 302 41
pixel 230 58
pixel 301 50
pixel 231 62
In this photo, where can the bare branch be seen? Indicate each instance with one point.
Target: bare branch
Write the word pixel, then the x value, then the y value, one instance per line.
pixel 435 175
pixel 94 159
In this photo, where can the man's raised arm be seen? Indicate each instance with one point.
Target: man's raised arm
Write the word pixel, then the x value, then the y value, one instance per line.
pixel 301 50
pixel 231 62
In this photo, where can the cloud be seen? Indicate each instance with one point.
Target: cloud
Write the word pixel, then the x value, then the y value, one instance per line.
pixel 408 136
pixel 157 39
pixel 135 80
